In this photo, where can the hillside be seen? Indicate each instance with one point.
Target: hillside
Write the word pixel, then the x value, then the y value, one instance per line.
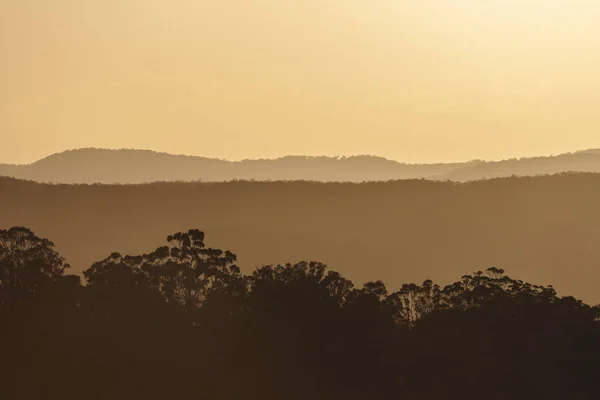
pixel 583 161
pixel 142 166
pixel 542 229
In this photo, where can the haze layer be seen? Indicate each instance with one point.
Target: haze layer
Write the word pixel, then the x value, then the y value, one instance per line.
pixel 410 80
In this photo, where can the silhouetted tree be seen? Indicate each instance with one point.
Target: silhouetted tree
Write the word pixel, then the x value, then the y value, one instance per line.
pixel 38 314
pixel 412 302
pixel 183 322
pixel 29 268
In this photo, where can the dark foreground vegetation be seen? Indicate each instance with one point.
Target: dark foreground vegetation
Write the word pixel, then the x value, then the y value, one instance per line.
pixel 183 322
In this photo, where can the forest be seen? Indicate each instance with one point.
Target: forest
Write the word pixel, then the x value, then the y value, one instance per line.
pixel 542 229
pixel 183 321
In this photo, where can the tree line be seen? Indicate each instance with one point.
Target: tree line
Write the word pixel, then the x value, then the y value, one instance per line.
pixel 183 321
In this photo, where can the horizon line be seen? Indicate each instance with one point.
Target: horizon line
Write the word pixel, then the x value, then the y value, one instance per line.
pixel 115 149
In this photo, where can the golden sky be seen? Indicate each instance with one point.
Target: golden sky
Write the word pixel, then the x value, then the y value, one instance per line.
pixel 411 80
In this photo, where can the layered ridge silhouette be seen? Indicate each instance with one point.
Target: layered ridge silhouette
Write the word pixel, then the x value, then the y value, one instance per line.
pixel 547 228
pixel 143 166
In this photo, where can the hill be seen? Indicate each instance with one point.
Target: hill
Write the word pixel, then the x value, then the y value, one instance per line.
pixel 543 229
pixel 582 161
pixel 143 166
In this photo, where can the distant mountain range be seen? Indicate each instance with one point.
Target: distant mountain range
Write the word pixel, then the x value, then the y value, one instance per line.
pixel 92 165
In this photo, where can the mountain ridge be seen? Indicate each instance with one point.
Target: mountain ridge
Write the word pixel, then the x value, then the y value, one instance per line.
pixel 131 166
pixel 543 228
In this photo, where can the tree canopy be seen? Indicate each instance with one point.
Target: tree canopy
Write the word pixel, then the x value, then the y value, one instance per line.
pixel 183 321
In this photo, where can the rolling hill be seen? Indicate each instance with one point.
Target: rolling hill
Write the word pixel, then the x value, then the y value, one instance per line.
pixel 144 166
pixel 582 161
pixel 541 229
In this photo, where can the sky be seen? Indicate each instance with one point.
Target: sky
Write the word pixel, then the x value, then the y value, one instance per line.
pixel 410 80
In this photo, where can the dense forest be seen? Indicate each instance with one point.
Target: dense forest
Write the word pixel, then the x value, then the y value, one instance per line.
pixel 183 321
pixel 543 229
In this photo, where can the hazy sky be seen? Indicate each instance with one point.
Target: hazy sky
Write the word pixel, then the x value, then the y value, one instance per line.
pixel 412 80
